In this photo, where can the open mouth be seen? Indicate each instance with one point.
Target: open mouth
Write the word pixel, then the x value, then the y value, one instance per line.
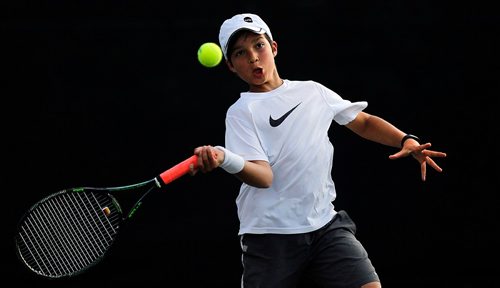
pixel 257 72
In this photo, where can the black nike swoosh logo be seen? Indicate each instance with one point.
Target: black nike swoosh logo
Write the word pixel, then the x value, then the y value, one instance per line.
pixel 277 122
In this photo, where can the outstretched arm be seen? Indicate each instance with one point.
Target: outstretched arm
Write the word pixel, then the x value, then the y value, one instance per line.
pixel 379 130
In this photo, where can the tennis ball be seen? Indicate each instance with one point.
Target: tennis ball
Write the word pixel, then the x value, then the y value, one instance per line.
pixel 209 54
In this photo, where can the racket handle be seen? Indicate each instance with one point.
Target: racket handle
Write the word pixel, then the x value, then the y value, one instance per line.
pixel 178 170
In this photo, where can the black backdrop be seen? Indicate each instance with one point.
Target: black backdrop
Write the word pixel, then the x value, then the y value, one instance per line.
pixel 106 93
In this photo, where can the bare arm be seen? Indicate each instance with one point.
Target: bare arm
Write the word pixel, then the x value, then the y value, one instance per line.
pixel 379 130
pixel 256 173
pixel 376 129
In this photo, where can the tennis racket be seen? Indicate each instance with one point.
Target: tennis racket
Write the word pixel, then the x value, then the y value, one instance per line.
pixel 66 233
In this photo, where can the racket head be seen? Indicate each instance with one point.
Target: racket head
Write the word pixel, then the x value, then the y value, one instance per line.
pixel 68 232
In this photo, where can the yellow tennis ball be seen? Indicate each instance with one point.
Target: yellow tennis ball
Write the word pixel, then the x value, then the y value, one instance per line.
pixel 209 54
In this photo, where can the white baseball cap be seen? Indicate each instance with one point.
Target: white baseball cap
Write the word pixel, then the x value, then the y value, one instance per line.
pixel 247 21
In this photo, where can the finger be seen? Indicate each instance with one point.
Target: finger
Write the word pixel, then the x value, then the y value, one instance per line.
pixel 207 159
pixel 423 169
pixel 206 154
pixel 192 170
pixel 433 164
pixel 200 162
pixel 213 158
pixel 432 153
pixel 424 146
pixel 398 155
pixel 214 154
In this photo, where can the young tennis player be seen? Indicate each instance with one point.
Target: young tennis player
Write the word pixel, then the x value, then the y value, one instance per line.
pixel 277 144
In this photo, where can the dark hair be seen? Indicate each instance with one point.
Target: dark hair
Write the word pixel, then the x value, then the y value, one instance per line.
pixel 243 33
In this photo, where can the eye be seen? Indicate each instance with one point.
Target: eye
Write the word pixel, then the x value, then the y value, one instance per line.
pixel 238 53
pixel 260 45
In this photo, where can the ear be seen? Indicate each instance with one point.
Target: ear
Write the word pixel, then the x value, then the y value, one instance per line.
pixel 274 48
pixel 230 66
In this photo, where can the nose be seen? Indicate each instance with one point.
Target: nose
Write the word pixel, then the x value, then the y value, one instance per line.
pixel 253 57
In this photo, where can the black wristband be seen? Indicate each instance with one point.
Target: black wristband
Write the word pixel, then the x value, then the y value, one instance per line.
pixel 409 136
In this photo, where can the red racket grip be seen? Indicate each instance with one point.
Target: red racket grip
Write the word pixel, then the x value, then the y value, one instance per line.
pixel 179 169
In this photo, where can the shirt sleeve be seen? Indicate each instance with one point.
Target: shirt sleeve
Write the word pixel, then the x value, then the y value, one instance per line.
pixel 344 110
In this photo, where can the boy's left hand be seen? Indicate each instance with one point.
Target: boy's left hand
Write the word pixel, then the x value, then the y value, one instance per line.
pixel 421 154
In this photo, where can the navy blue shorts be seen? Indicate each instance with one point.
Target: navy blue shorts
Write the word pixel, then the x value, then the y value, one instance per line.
pixel 328 257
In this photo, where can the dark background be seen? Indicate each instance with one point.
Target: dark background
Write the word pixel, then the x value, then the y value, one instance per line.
pixel 108 93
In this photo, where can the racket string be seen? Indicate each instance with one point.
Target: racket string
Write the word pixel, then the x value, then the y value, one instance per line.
pixel 67 233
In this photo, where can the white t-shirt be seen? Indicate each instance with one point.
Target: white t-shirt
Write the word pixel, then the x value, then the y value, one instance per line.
pixel 297 148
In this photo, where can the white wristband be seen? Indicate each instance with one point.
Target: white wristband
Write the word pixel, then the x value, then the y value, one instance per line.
pixel 233 163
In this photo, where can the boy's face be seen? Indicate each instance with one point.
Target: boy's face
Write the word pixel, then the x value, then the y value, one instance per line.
pixel 252 59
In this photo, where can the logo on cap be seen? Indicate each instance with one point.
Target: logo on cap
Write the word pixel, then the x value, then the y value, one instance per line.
pixel 247 19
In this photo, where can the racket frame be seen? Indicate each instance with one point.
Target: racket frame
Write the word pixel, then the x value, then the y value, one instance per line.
pixel 156 183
